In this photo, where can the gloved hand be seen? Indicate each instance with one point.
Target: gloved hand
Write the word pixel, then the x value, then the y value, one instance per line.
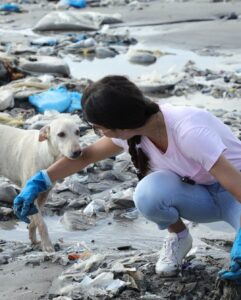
pixel 234 272
pixel 23 204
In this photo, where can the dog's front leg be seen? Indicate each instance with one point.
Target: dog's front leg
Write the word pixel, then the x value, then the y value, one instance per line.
pixel 37 221
pixel 32 232
pixel 46 244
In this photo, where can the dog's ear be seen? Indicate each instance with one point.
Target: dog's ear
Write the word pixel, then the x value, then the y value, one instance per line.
pixel 44 133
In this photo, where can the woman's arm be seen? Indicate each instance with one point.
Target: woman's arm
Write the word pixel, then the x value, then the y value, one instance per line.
pixel 228 176
pixel 100 150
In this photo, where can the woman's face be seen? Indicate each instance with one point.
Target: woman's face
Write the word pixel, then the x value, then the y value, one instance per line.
pixel 123 134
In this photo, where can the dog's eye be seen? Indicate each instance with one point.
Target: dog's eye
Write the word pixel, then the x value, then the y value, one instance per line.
pixel 61 134
pixel 77 132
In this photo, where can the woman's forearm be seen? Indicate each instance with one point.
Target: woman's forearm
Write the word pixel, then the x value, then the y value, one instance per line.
pixel 64 167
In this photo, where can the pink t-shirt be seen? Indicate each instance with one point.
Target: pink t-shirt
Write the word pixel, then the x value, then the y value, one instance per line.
pixel 196 139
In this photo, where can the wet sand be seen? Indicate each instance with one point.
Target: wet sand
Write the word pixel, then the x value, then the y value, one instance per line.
pixel 27 282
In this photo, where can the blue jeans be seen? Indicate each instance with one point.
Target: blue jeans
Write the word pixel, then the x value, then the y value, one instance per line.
pixel 163 198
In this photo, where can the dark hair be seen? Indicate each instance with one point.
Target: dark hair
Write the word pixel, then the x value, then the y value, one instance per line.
pixel 115 102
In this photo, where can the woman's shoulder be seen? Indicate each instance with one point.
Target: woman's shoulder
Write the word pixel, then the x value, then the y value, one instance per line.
pixel 176 115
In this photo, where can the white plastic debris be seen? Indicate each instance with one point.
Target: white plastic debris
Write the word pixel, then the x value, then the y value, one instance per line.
pixel 156 82
pixel 94 207
pixel 87 264
pixel 6 99
pixel 139 56
pixel 45 65
pixel 70 20
pixel 101 284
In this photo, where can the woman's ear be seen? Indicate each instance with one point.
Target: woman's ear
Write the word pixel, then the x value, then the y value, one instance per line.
pixel 44 133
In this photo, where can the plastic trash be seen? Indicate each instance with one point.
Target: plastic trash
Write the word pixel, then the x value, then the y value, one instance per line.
pixel 131 213
pixel 94 207
pixel 10 7
pixel 103 283
pixel 6 99
pixel 75 102
pixel 73 3
pixel 77 3
pixel 76 255
pixel 59 99
pixel 44 41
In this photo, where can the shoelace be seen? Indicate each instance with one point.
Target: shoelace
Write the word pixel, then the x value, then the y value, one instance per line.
pixel 170 248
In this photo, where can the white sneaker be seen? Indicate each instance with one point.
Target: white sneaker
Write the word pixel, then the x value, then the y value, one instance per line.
pixel 172 254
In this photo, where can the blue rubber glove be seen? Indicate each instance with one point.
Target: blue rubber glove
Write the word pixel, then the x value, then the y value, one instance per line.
pixel 234 272
pixel 23 204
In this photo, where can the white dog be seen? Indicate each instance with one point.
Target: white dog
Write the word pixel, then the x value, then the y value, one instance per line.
pixel 24 152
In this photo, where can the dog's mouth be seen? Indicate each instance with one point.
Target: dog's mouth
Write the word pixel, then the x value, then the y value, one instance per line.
pixel 75 154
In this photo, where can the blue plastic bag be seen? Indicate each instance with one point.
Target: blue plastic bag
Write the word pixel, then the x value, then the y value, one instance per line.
pixel 59 99
pixel 77 3
pixel 10 7
pixel 75 102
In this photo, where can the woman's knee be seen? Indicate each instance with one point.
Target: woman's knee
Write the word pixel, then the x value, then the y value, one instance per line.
pixel 153 192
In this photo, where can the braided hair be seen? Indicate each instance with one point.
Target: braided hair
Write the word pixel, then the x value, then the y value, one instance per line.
pixel 115 102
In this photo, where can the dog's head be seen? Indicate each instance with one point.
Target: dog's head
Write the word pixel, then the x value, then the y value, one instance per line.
pixel 63 136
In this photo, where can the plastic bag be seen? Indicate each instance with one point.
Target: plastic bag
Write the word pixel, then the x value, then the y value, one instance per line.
pixel 73 3
pixel 75 102
pixel 77 3
pixel 10 7
pixel 59 99
pixel 45 41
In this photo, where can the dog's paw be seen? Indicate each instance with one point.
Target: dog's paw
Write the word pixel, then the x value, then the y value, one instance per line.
pixel 35 242
pixel 47 247
pixel 36 245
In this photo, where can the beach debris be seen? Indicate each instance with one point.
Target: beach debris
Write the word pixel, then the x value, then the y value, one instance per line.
pixel 100 282
pixel 83 46
pixel 72 20
pixel 48 116
pixel 104 52
pixel 88 265
pixel 130 214
pixel 45 65
pixel 8 191
pixel 101 186
pixel 7 119
pixel 19 49
pixel 94 207
pixel 139 56
pixel 10 7
pixel 75 185
pixel 56 203
pixel 62 298
pixel 25 87
pixel 44 41
pixel 6 99
pixel 76 220
pixel 121 200
pixel 142 56
pixel 6 213
pixel 59 99
pixel 9 69
pixel 79 251
pixel 158 83
pixel 72 3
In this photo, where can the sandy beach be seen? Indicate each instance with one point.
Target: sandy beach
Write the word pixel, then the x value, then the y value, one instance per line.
pixel 202 31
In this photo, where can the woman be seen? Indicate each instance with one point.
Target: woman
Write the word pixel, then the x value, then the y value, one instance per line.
pixel 187 160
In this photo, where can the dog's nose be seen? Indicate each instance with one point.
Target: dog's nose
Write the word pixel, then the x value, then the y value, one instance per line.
pixel 76 154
